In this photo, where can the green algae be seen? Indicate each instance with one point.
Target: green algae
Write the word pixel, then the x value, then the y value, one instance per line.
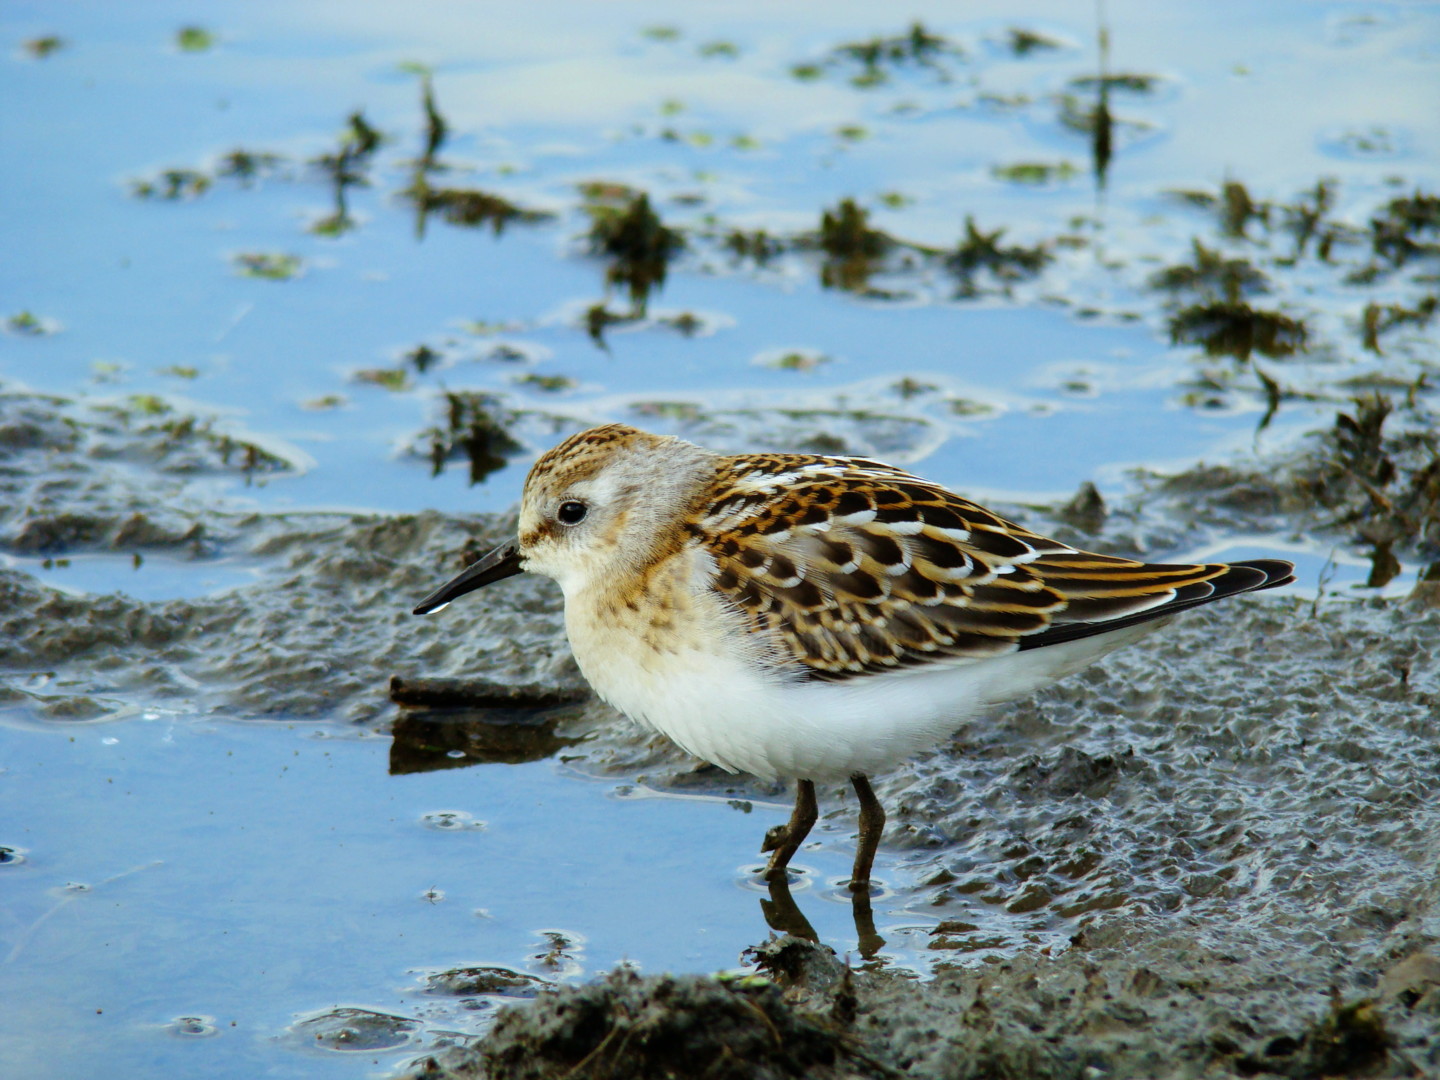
pixel 1235 328
pixel 41 47
pixel 172 184
pixel 639 246
pixel 268 266
pixel 1023 42
pixel 194 39
pixel 982 251
pixel 475 430
pixel 1035 172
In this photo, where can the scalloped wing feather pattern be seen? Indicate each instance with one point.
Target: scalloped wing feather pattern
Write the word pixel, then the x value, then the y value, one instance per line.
pixel 857 567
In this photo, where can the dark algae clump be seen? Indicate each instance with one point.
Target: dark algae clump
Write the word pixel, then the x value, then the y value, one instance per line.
pixel 475 431
pixel 637 244
pixel 1234 328
pixel 852 247
pixel 663 1026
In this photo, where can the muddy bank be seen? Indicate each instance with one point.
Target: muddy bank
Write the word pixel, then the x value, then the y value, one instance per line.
pixel 1139 1001
pixel 1232 825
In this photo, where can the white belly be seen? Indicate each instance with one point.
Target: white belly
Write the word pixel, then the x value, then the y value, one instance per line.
pixel 716 698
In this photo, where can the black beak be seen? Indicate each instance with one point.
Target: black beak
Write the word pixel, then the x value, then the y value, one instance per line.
pixel 503 562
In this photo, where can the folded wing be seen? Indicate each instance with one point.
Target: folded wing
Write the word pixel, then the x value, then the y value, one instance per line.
pixel 852 567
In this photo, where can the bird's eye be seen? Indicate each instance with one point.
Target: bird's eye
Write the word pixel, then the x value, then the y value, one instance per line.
pixel 571 512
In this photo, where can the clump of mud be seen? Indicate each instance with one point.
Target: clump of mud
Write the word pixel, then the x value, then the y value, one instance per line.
pixel 740 1028
pixel 1132 1003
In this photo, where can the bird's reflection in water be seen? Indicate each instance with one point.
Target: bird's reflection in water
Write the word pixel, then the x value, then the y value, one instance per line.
pixel 784 916
pixel 447 724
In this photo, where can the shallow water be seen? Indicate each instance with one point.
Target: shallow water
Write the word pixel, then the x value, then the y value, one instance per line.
pixel 205 864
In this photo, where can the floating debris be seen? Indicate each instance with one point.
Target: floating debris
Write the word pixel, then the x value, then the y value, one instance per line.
pixel 472 208
pixel 756 244
pixel 1381 318
pixel 475 430
pixel 494 981
pixel 1023 42
pixel 41 47
pixel 551 384
pixel 1383 484
pixel 638 244
pixel 1086 511
pixel 1211 271
pixel 392 379
pixel 1395 233
pixel 347 167
pixel 172 184
pixel 194 39
pixel 982 251
pixel 1133 82
pixel 422 358
pixel 1238 209
pixel 722 50
pixel 271 266
pixel 1035 172
pixel 852 248
pixel 599 317
pixel 908 388
pixel 686 322
pixel 349 1029
pixel 1305 217
pixel 28 324
pixel 793 359
pixel 248 165
pixel 436 131
pixel 1234 328
pixel 917 47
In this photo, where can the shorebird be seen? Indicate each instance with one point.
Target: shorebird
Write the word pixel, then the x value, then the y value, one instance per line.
pixel 815 618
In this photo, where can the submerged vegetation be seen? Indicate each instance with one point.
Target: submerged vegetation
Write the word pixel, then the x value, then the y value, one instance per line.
pixel 472 208
pixel 346 166
pixel 873 61
pixel 268 265
pixel 979 251
pixel 475 430
pixel 1230 295
pixel 638 246
pixel 852 247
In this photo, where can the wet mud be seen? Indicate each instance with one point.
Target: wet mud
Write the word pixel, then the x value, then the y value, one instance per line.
pixel 1218 849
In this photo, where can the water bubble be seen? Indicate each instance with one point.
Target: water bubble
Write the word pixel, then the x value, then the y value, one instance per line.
pixel 193 1027
pixel 450 820
pixel 356 1029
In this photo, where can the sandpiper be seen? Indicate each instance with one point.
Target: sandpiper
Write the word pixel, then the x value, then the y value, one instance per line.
pixel 810 617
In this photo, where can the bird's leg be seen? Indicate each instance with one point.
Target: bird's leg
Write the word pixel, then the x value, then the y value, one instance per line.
pixel 785 840
pixel 872 824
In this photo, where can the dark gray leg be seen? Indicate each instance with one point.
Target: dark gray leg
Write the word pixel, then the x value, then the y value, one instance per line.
pixel 785 840
pixel 872 824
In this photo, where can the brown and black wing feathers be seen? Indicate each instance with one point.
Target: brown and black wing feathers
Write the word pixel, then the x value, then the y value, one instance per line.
pixel 854 567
